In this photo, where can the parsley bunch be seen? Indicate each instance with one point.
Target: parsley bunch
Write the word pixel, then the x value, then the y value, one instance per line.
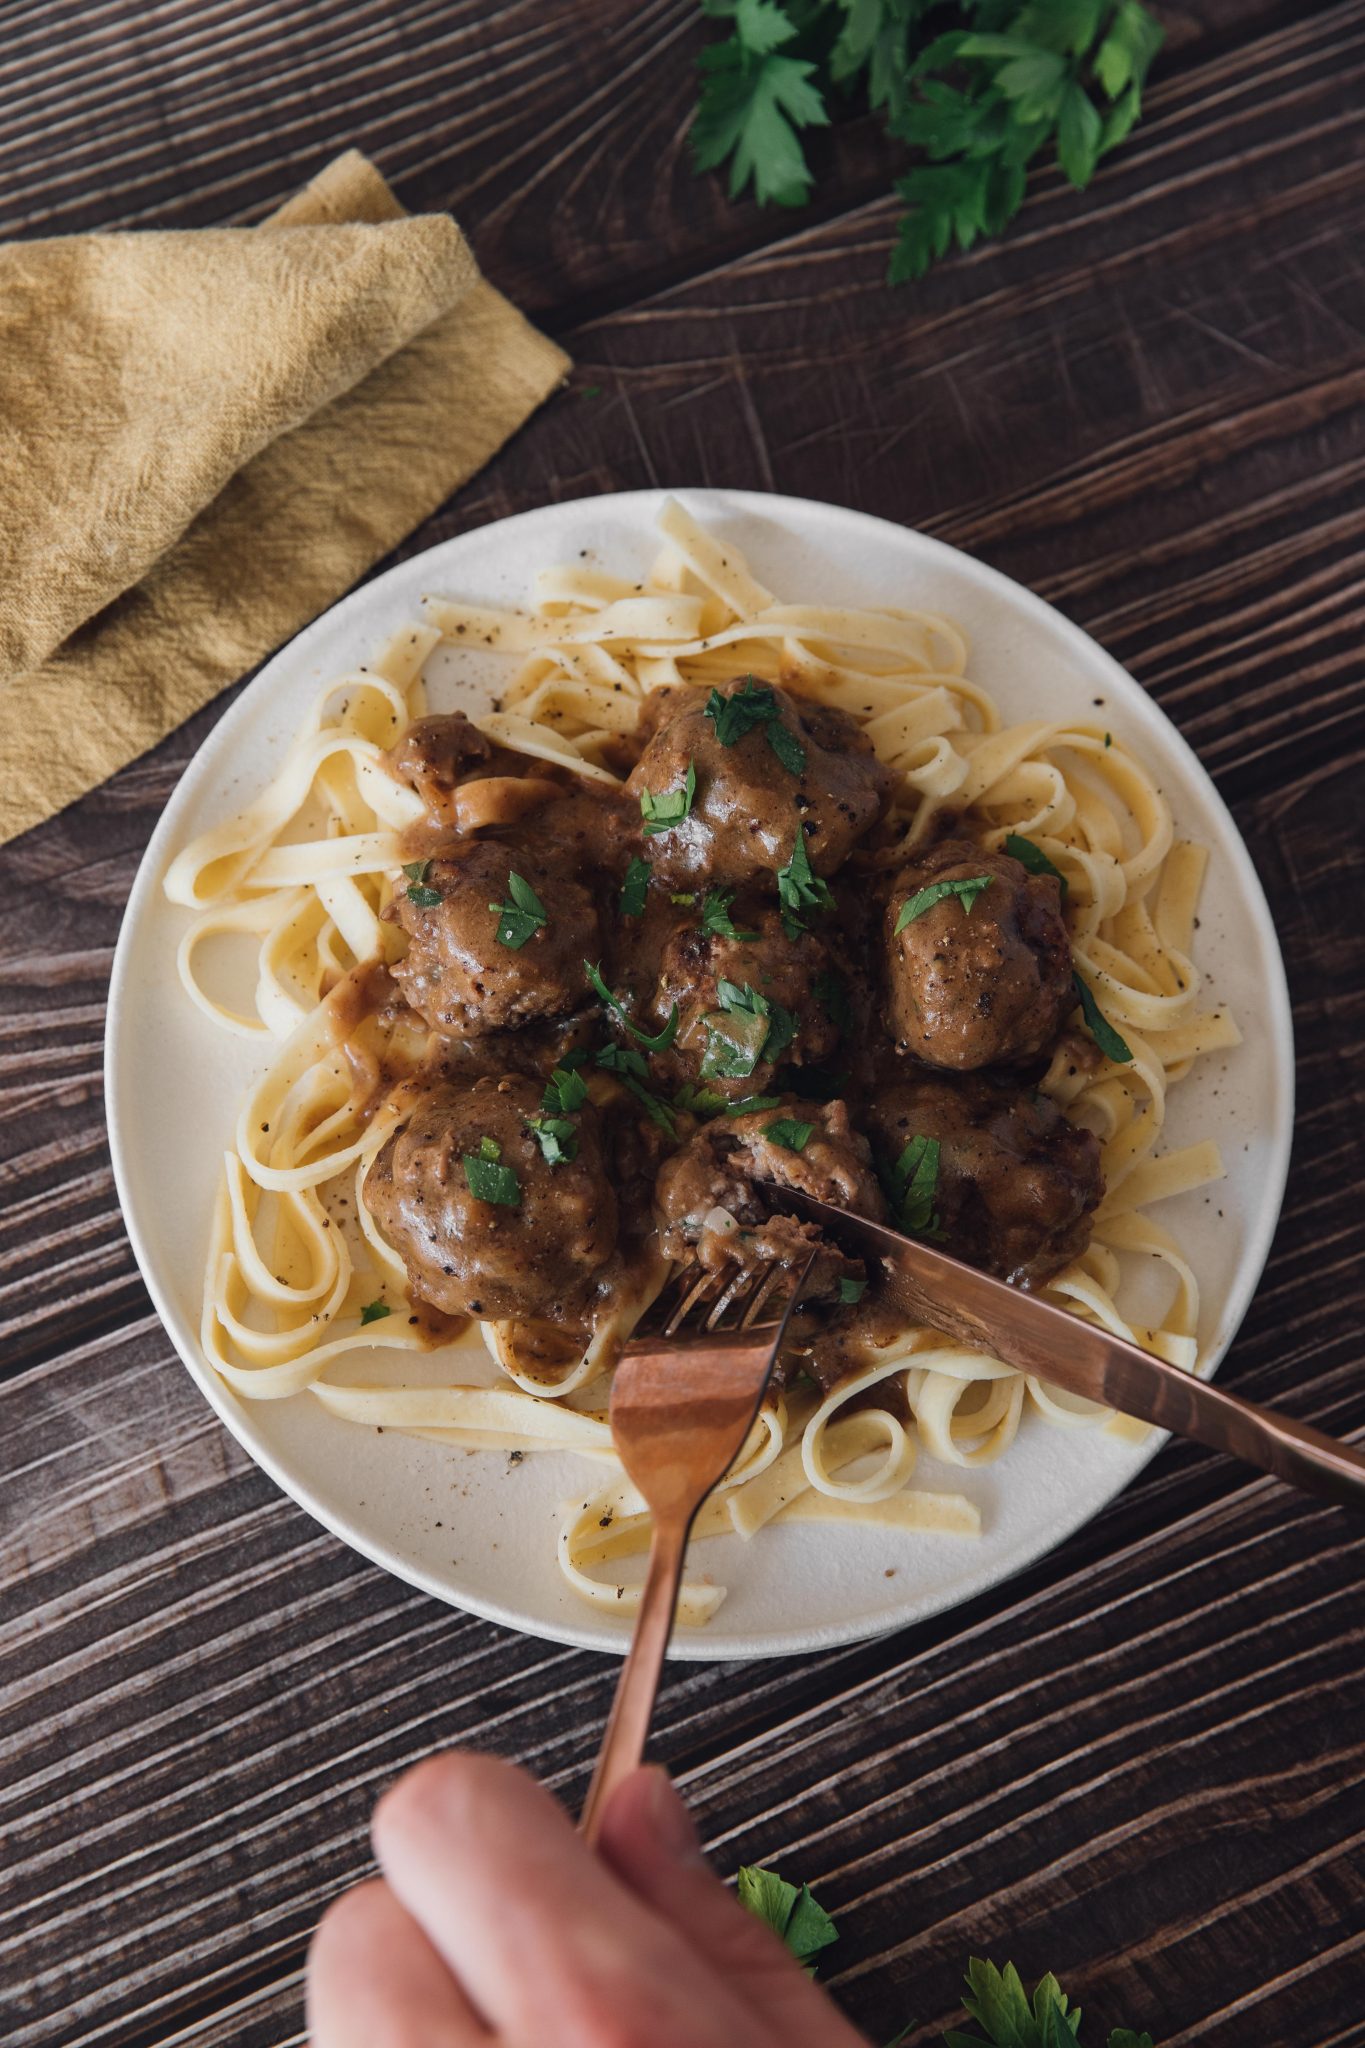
pixel 996 1999
pixel 978 102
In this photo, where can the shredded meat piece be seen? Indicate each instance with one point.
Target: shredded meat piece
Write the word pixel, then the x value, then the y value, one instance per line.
pixel 468 1256
pixel 749 806
pixel 1017 1183
pixel 458 975
pixel 989 986
pixel 717 1171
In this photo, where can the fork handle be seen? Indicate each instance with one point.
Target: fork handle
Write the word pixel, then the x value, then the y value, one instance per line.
pixel 623 1745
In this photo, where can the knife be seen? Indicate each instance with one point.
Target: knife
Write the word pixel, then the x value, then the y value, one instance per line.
pixel 1034 1336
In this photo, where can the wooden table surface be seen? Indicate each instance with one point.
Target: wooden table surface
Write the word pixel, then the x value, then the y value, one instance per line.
pixel 1141 1762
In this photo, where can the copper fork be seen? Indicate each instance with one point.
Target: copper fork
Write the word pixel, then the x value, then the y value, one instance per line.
pixel 682 1403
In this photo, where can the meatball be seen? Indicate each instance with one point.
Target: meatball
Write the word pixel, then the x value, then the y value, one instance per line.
pixel 1016 1183
pixel 436 754
pixel 750 799
pixel 460 977
pixel 717 1170
pixel 794 977
pixel 467 1255
pixel 979 987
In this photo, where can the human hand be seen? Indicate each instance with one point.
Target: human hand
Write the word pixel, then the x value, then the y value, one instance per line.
pixel 493 1922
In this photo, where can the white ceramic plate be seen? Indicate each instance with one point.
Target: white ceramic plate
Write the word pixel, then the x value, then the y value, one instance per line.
pixel 473 1528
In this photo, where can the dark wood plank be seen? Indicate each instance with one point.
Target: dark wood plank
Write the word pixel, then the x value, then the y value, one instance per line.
pixel 557 134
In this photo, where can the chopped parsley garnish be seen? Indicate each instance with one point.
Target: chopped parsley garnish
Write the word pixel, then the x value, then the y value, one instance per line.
pixel 748 708
pixel 747 1027
pixel 785 1131
pixel 831 993
pixel 799 888
pixel 793 1915
pixel 374 1312
pixel 914 1184
pixel 661 812
pixel 659 1111
pixel 623 1059
pixel 716 920
pixel 487 1180
pixel 1097 1024
pixel 660 1040
pixel 417 872
pixel 851 1290
pixel 1033 858
pixel 557 1136
pixel 749 1105
pixel 683 899
pixel 635 888
pixel 996 1999
pixel 966 892
pixel 699 1101
pixel 566 1090
pixel 521 917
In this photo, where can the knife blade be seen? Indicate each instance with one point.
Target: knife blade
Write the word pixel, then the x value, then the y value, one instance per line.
pixel 1037 1337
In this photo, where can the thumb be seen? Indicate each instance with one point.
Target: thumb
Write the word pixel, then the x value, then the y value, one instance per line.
pixel 649 1840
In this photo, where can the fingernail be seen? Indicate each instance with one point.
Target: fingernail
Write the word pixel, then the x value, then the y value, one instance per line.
pixel 670 1821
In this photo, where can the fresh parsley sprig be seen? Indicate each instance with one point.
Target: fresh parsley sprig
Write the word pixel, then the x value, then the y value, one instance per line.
pixel 979 100
pixel 996 1999
pixel 966 892
pixel 788 1133
pixel 914 1185
pixel 521 917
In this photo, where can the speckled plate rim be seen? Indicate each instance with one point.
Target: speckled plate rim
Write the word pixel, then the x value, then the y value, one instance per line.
pixel 519 533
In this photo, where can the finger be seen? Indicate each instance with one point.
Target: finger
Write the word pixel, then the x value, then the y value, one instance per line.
pixel 648 1838
pixel 546 1941
pixel 373 1976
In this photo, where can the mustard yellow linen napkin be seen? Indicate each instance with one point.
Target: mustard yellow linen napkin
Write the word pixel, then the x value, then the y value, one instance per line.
pixel 206 437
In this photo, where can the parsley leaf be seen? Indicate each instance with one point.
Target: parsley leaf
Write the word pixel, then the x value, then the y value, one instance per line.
pixel 752 705
pixel 623 1059
pixel 914 1181
pixel 1097 1024
pixel 747 1027
pixel 374 1312
pixel 785 1131
pixel 521 917
pixel 565 1091
pixel 794 1915
pixel 661 812
pixel 752 102
pixel 489 1182
pixel 660 1041
pixel 635 888
pixel 716 920
pixel 557 1136
pixel 417 891
pixel 851 1290
pixel 965 891
pixel 1033 858
pixel 749 1105
pixel 747 708
pixel 659 1112
pixel 799 888
pixel 489 1148
pixel 699 1101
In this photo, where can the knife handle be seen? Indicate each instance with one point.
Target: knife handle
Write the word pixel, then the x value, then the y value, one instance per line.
pixel 1293 1451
